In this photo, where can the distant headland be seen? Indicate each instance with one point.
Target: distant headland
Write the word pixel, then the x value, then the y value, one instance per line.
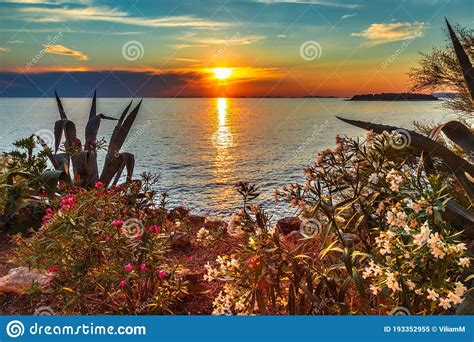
pixel 394 97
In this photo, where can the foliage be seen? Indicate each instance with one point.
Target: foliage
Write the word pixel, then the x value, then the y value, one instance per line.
pixel 107 252
pixel 377 226
pixel 21 173
pixel 441 71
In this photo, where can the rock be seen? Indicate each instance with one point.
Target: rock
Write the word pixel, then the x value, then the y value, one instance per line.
pixel 180 242
pixel 178 213
pixel 292 239
pixel 287 225
pixel 215 225
pixel 19 279
pixel 195 283
pixel 195 221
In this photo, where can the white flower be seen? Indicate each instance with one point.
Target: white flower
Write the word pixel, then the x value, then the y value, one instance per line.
pixel 444 302
pixel 438 249
pixel 411 284
pixel 392 282
pixel 373 178
pixel 432 295
pixel 454 298
pixel 464 262
pixel 374 289
pixel 460 289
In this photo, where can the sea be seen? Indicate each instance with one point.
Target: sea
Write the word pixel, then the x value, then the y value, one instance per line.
pixel 201 147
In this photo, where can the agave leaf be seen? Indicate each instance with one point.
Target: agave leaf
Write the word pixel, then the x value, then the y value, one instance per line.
pixel 92 128
pixel 460 216
pixel 458 133
pixel 62 114
pixel 50 180
pixel 456 164
pixel 85 168
pixel 121 130
pixel 69 129
pixel 463 59
pixel 128 160
pixel 62 162
pixel 111 167
pixel 113 160
pixel 93 110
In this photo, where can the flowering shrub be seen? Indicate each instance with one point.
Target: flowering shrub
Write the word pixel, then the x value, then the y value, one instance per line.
pixel 379 193
pixel 107 250
pixel 377 224
pixel 268 274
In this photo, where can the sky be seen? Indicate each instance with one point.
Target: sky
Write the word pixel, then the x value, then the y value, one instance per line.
pixel 170 48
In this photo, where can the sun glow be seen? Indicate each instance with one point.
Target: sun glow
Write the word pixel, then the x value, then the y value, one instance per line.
pixel 222 73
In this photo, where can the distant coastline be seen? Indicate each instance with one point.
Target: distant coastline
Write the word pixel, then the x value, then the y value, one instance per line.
pixel 394 97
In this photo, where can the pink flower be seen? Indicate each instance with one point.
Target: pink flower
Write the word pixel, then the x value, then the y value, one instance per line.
pixel 143 267
pixel 53 269
pixel 123 283
pixel 49 215
pixel 138 237
pixel 128 267
pixel 154 228
pixel 162 274
pixel 117 223
pixel 99 185
pixel 68 201
pixel 107 238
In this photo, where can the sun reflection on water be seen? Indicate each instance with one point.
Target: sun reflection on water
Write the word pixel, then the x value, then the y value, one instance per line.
pixel 223 136
pixel 223 142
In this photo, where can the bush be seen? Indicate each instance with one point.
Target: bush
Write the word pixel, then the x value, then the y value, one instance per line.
pixel 21 199
pixel 107 252
pixel 373 223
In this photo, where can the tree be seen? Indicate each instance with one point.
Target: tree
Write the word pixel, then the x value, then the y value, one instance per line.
pixel 440 70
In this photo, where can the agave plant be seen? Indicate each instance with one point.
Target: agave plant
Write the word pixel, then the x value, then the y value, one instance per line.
pixel 463 169
pixel 84 157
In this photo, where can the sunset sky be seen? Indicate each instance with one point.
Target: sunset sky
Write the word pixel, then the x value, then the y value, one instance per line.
pixel 170 48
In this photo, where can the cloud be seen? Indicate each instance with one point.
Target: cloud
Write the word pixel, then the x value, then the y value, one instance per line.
pixel 347 16
pixel 4 49
pixel 310 2
pixel 377 34
pixel 106 14
pixel 62 50
pixel 281 36
pixel 232 41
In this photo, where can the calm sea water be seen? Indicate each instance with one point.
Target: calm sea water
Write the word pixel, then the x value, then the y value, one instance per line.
pixel 201 147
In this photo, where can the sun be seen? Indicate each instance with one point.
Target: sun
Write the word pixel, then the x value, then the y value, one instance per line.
pixel 222 73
